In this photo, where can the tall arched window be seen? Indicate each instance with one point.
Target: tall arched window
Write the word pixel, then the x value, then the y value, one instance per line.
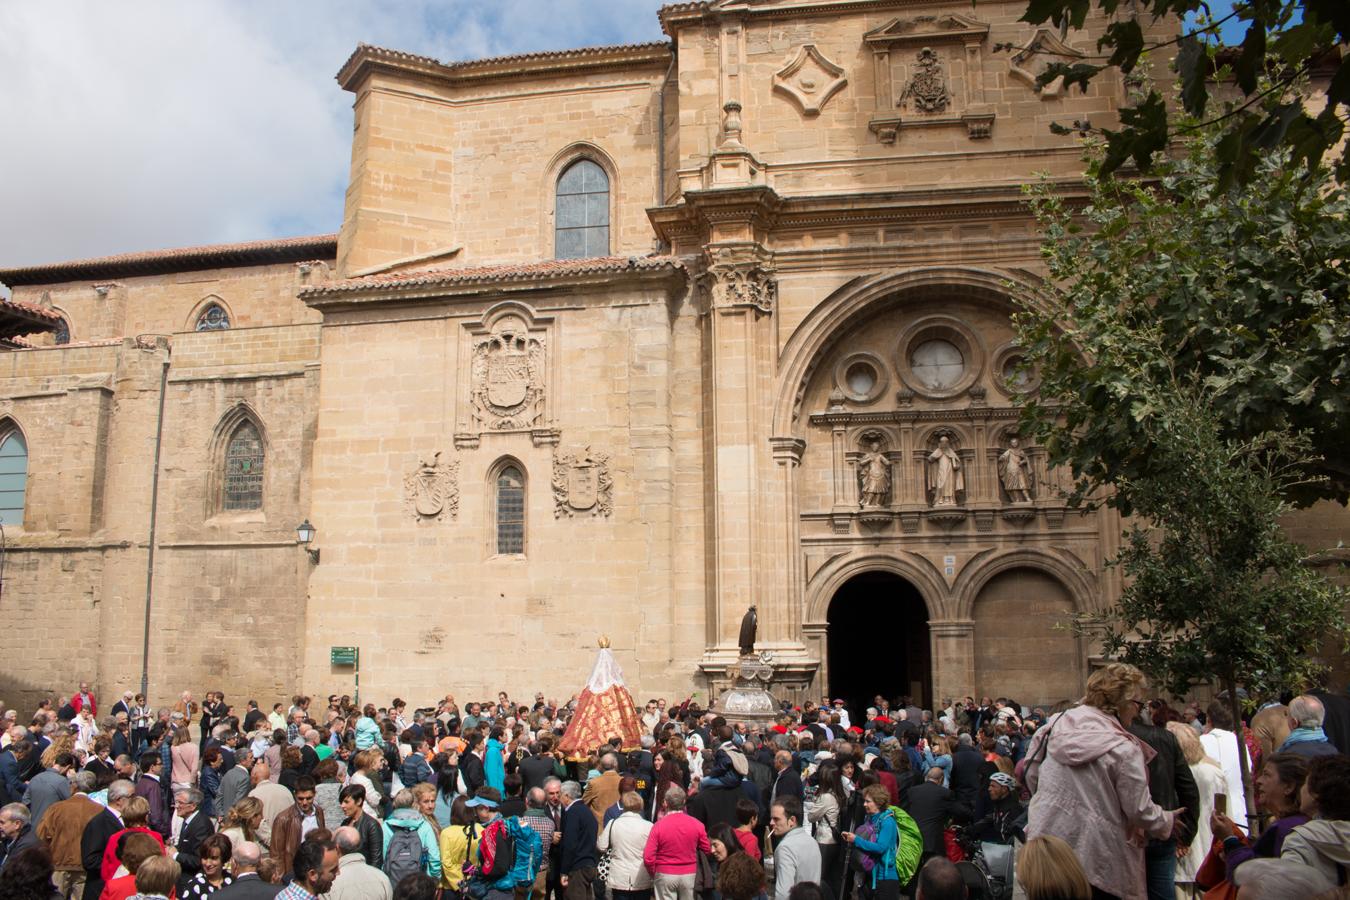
pixel 244 468
pixel 62 333
pixel 213 318
pixel 509 521
pixel 581 214
pixel 13 477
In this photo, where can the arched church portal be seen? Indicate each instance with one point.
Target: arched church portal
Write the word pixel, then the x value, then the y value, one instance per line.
pixel 877 642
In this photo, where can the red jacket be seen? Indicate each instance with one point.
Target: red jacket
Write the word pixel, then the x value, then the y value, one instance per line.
pixel 674 844
pixel 77 703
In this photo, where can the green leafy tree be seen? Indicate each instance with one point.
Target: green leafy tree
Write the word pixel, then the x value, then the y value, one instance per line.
pixel 1283 42
pixel 1244 291
pixel 1192 346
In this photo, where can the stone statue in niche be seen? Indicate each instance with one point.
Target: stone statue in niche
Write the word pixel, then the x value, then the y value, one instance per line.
pixel 874 477
pixel 945 476
pixel 431 491
pixel 1014 471
pixel 927 90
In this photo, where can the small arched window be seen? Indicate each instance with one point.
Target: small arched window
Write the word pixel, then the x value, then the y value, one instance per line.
pixel 62 333
pixel 13 477
pixel 581 213
pixel 213 318
pixel 244 468
pixel 509 534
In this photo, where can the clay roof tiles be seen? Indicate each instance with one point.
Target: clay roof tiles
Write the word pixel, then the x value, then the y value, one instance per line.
pixel 487 275
pixel 511 64
pixel 180 259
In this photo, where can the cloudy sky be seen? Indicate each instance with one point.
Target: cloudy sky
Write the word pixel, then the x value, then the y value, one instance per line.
pixel 138 124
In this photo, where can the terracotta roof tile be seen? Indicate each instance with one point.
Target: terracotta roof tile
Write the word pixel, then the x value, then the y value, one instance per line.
pixel 495 274
pixel 179 259
pixel 574 57
pixel 31 309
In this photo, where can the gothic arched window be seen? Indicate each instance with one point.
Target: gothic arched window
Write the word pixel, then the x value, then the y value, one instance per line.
pixel 62 333
pixel 13 476
pixel 244 468
pixel 509 508
pixel 581 213
pixel 213 318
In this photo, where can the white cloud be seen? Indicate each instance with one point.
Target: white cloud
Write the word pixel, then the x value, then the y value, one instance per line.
pixel 141 124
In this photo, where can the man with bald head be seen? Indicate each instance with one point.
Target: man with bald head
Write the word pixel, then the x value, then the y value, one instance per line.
pixel 247 885
pixel 275 798
pixel 357 879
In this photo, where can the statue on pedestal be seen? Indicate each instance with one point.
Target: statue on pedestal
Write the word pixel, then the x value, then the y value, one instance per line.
pixel 1014 470
pixel 749 624
pixel 874 476
pixel 945 477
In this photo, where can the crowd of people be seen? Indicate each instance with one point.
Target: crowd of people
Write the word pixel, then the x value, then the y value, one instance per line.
pixel 1116 795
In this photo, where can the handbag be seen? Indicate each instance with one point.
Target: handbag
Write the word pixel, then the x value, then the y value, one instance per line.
pixel 606 856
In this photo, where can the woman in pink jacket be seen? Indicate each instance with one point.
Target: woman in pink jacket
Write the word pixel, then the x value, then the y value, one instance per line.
pixel 1089 782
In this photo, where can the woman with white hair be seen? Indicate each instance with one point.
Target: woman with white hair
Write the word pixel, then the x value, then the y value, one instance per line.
pixel 1209 781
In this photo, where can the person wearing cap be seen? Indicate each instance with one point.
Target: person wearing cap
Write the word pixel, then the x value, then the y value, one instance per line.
pixel 842 712
pixel 1006 818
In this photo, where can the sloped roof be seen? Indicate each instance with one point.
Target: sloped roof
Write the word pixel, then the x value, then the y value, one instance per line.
pixel 539 62
pixel 180 259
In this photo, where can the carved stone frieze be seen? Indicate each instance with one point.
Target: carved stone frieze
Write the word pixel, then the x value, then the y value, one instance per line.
pixel 582 484
pixel 809 80
pixel 507 366
pixel 431 490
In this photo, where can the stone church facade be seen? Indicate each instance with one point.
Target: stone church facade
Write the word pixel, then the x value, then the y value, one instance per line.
pixel 617 340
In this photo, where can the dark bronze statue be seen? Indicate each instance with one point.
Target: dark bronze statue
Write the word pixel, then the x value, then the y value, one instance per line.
pixel 748 626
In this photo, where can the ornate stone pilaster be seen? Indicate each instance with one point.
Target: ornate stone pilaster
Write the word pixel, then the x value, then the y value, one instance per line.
pixel 739 277
pixel 787 456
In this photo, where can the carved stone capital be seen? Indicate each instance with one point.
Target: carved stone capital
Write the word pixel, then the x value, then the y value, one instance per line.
pixel 787 450
pixel 738 279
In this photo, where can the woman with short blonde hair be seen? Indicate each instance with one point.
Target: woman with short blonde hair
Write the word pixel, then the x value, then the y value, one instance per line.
pixel 1088 779
pixel 1048 870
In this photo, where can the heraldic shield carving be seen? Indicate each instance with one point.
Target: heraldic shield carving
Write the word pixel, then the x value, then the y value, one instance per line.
pixel 431 491
pixel 582 484
pixel 508 377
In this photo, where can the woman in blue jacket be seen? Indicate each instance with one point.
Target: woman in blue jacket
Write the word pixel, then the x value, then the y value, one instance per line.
pixel 881 882
pixel 494 760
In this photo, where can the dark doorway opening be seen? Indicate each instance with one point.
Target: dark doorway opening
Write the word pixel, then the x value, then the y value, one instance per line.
pixel 877 642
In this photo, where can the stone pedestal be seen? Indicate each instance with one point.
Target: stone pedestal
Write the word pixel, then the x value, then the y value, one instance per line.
pixel 748 699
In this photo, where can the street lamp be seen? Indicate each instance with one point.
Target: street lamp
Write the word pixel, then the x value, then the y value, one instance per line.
pixel 304 534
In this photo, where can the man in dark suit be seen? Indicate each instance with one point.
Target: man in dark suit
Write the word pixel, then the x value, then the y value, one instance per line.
pixel 579 831
pixel 98 832
pixel 196 828
pixel 933 807
pixel 536 768
pixel 966 763
pixel 247 885
pixel 786 782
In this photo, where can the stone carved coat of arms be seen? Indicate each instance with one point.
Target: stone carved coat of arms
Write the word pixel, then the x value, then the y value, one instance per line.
pixel 431 491
pixel 508 378
pixel 582 484
pixel 927 89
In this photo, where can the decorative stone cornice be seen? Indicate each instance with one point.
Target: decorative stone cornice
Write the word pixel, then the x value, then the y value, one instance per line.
pixel 367 59
pixel 681 15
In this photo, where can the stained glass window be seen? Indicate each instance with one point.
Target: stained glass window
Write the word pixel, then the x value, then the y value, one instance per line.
pixel 582 212
pixel 13 477
pixel 62 333
pixel 244 468
pixel 213 318
pixel 510 511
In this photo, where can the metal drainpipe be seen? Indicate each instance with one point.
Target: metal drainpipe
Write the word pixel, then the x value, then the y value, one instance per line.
pixel 154 508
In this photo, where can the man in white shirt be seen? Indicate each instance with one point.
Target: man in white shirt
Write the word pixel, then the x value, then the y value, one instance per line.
pixel 1221 744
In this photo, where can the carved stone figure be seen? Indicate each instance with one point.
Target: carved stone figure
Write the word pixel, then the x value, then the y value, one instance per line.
pixel 1014 470
pixel 431 491
pixel 945 477
pixel 749 624
pixel 928 88
pixel 874 477
pixel 582 484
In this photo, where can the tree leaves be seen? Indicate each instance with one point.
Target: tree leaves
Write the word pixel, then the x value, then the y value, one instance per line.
pixel 1283 42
